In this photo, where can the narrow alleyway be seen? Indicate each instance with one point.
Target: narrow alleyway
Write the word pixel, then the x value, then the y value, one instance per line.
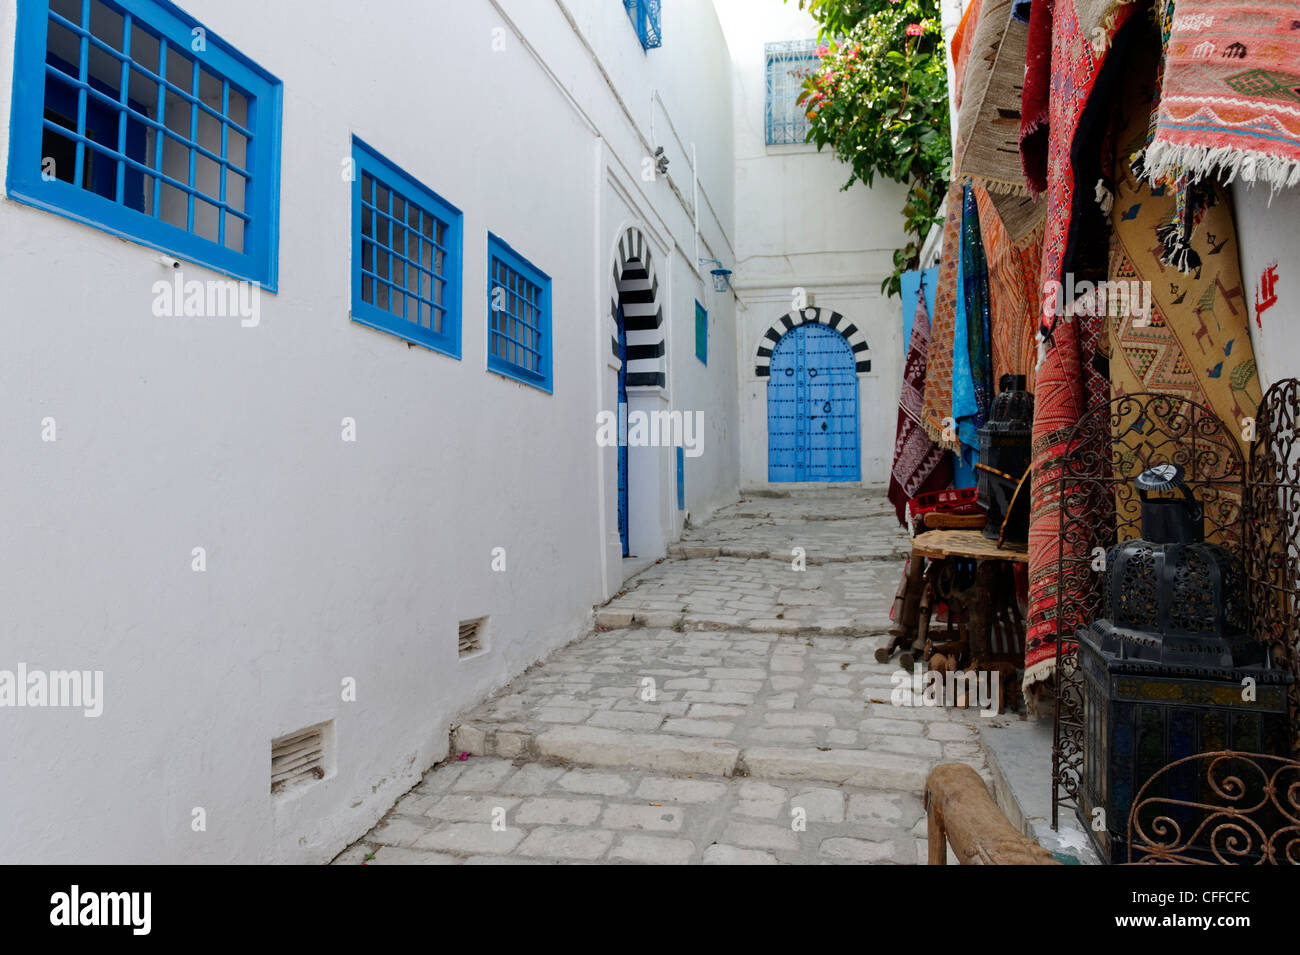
pixel 728 708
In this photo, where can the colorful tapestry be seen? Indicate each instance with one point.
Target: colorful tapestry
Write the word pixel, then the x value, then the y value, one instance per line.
pixel 1013 287
pixel 1070 380
pixel 960 46
pixel 920 465
pixel 1194 339
pixel 977 307
pixel 1230 97
pixel 988 123
pixel 936 411
pixel 1035 97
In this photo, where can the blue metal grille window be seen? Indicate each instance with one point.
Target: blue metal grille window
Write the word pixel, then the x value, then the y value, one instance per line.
pixel 701 333
pixel 644 15
pixel 406 255
pixel 788 63
pixel 519 317
pixel 130 117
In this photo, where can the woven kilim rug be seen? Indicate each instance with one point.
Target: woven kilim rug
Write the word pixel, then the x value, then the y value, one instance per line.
pixel 1070 381
pixel 936 410
pixel 1230 99
pixel 920 465
pixel 1195 340
pixel 988 123
pixel 1013 283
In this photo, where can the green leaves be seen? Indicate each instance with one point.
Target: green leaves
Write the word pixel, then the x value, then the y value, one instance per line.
pixel 880 102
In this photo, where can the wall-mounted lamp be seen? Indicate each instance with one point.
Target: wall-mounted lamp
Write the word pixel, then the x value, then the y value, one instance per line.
pixel 721 276
pixel 661 161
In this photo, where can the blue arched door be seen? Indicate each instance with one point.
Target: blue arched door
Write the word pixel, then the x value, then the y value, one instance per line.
pixel 812 407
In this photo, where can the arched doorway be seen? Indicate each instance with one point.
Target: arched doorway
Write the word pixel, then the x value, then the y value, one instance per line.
pixel 636 331
pixel 812 407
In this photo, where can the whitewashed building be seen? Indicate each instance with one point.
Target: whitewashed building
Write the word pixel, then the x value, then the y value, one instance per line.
pixel 820 403
pixel 315 313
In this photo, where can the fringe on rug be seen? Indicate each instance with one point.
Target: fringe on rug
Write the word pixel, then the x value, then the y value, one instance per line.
pixel 1168 160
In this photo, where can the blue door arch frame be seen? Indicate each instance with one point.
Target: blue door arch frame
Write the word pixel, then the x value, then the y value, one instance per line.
pixel 812 406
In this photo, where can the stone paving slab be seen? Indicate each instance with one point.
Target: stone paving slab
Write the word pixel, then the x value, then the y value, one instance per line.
pixel 760 595
pixel 723 702
pixel 459 815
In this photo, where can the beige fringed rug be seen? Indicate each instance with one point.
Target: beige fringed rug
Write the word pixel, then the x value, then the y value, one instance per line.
pixel 988 123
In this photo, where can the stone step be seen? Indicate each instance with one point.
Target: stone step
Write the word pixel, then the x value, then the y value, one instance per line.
pixel 852 767
pixel 596 746
pixel 871 625
pixel 693 551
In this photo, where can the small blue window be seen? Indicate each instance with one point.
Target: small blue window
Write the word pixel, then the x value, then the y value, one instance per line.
pixel 406 255
pixel 701 333
pixel 130 117
pixel 645 17
pixel 519 317
pixel 788 64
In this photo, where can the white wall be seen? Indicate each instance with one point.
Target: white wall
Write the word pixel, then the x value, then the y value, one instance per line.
pixel 1266 231
pixel 796 227
pixel 329 560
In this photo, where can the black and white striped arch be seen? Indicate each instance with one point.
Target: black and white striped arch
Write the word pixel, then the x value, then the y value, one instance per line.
pixel 637 289
pixel 812 315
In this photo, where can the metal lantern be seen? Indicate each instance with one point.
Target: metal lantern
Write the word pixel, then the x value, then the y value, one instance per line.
pixel 1004 460
pixel 1171 672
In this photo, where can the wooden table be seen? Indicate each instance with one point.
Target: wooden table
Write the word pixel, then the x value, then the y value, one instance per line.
pixel 977 605
pixel 973 545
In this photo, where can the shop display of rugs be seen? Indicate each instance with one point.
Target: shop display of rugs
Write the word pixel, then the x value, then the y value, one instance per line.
pixel 1070 380
pixel 920 465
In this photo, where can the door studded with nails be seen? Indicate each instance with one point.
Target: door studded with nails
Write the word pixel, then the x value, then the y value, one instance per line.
pixel 812 407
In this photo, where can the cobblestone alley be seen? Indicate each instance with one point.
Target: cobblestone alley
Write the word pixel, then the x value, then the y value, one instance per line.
pixel 727 709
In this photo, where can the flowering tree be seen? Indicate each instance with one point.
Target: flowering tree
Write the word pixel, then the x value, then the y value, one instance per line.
pixel 879 99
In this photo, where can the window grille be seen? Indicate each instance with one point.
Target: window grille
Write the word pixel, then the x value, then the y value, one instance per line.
pixel 644 15
pixel 519 317
pixel 788 64
pixel 406 255
pixel 131 117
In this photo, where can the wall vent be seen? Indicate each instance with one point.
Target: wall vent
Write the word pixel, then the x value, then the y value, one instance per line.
pixel 298 758
pixel 471 636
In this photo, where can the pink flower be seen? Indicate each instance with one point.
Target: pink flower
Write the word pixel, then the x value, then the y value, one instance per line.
pixel 822 50
pixel 463 756
pixel 915 29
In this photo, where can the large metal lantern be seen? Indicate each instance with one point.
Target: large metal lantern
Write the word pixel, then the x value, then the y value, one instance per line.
pixel 1003 486
pixel 1171 671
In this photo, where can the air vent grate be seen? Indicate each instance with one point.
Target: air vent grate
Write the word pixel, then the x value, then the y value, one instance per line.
pixel 298 758
pixel 471 636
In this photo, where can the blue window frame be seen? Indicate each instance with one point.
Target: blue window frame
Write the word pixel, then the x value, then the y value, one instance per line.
pixel 788 64
pixel 701 333
pixel 519 317
pixel 644 15
pixel 406 255
pixel 130 117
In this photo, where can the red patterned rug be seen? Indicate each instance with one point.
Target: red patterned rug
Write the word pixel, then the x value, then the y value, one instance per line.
pixel 920 465
pixel 1070 380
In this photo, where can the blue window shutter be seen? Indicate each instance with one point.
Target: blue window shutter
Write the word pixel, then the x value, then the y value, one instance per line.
pixel 211 196
pixel 681 479
pixel 406 255
pixel 701 333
